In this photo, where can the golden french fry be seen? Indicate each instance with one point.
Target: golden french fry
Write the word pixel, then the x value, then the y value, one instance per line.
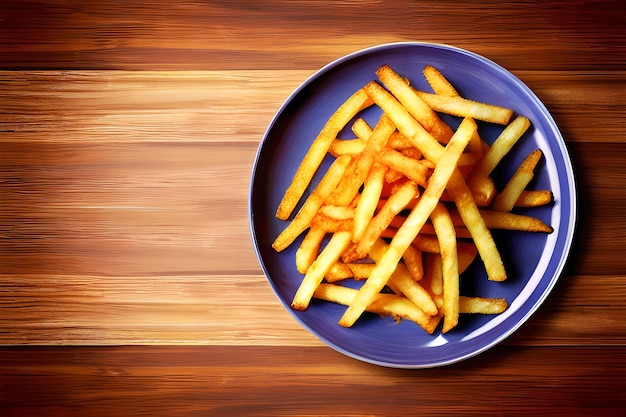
pixel 505 201
pixel 459 106
pixel 337 212
pixel 315 274
pixel 383 304
pixel 508 221
pixel 483 188
pixel 399 142
pixel 361 270
pixel 309 248
pixel 480 305
pixel 404 282
pixel 426 243
pixel 414 222
pixel 303 219
pixel 479 231
pixel 314 156
pixel 450 265
pixel 338 272
pixel 369 199
pixel 416 170
pixel 392 176
pixel 438 82
pixel 396 203
pixel 401 117
pixel 361 129
pixel 512 221
pixel 331 225
pixel 414 264
pixel 503 144
pixel 443 87
pixel 422 112
pixel 350 147
pixel 413 153
pixel 356 173
pixel 534 198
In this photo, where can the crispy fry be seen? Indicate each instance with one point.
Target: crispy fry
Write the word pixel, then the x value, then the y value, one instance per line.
pixel 309 249
pixel 338 272
pixel 314 156
pixel 512 221
pixel 331 225
pixel 383 304
pixel 475 224
pixel 337 212
pixel 392 176
pixel 480 305
pixel 413 153
pixel 503 144
pixel 450 266
pixel 426 243
pixel 443 87
pixel 418 171
pixel 482 188
pixel 312 204
pixel 369 199
pixel 414 264
pixel 505 201
pixel 414 222
pixel 378 223
pixel 356 174
pixel 508 221
pixel 534 198
pixel 361 129
pixel 350 147
pixel 438 82
pixel 361 270
pixel 315 274
pixel 401 278
pixel 422 112
pixel 399 142
pixel 459 106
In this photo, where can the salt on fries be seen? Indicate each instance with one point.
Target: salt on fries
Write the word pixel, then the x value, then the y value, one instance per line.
pixel 408 205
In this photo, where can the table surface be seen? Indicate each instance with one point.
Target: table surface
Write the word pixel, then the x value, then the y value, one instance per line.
pixel 128 278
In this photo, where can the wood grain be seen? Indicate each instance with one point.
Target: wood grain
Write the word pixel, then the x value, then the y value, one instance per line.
pixel 235 310
pixel 237 106
pixel 289 381
pixel 272 34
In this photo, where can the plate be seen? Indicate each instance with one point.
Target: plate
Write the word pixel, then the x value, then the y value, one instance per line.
pixel 534 262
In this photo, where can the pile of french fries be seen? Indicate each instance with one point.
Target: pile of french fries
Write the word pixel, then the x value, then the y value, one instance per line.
pixel 408 204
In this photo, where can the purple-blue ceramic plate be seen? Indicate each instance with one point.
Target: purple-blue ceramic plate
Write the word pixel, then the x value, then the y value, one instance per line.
pixel 533 261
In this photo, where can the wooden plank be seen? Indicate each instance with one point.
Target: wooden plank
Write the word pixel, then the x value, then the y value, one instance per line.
pixel 149 208
pixel 242 310
pixel 146 106
pixel 218 106
pixel 49 34
pixel 243 381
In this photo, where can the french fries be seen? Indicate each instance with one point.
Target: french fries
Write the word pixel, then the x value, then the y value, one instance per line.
pixel 407 206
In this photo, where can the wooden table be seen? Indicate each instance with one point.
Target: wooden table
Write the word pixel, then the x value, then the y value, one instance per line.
pixel 128 280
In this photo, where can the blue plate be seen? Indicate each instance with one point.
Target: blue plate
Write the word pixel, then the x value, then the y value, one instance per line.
pixel 533 261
